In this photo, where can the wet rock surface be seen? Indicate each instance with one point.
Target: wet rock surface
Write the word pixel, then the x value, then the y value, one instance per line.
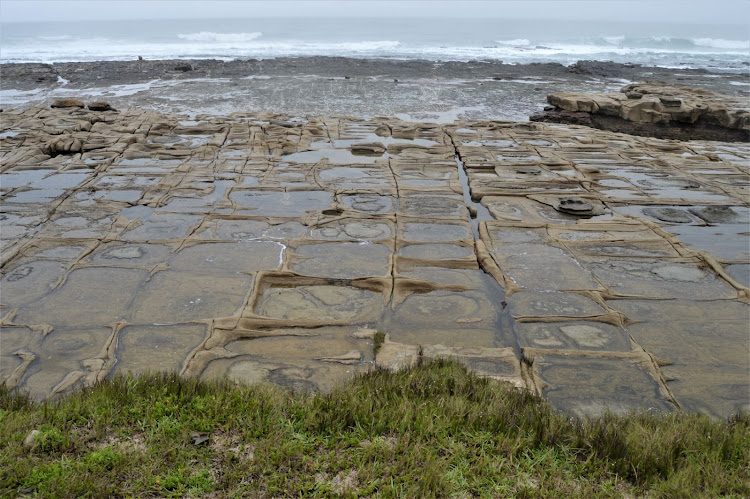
pixel 655 109
pixel 603 271
pixel 413 90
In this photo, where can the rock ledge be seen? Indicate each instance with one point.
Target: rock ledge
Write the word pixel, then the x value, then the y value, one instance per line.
pixel 655 109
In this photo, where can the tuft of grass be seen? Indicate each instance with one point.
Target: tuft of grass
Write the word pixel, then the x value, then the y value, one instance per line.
pixel 378 339
pixel 433 430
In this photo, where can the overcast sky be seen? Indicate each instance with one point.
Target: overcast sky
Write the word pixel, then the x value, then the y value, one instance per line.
pixel 676 11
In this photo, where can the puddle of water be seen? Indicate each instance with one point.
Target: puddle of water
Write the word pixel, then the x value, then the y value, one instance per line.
pixel 436 251
pixel 369 138
pixel 22 178
pixel 590 387
pixel 370 203
pixel 280 204
pixel 58 354
pixel 356 177
pixel 66 252
pixel 335 156
pixel 423 183
pixel 365 230
pixel 476 317
pixel 157 227
pixel 156 348
pixel 60 181
pixel 122 195
pixel 342 260
pixel 574 335
pixel 89 297
pixel 321 303
pixel 130 255
pixel 232 230
pixel 285 230
pixel 229 258
pixel 433 232
pixel 660 279
pixel 708 362
pixel 29 281
pixel 740 272
pixel 124 181
pixel 439 206
pixel 536 304
pixel 294 363
pixel 35 196
pixel 729 242
pixel 202 204
pixel 173 296
pixel 541 267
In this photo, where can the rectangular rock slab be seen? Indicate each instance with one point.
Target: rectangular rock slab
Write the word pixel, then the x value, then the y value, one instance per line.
pixel 156 348
pixel 591 386
pixel 496 363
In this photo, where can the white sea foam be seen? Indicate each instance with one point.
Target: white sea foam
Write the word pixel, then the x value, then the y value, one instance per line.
pixel 295 47
pixel 51 38
pixel 720 43
pixel 209 36
pixel 614 40
pixel 716 49
pixel 518 42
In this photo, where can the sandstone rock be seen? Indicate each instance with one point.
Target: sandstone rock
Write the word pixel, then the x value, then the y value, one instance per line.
pixel 716 214
pixel 670 101
pixel 365 333
pixel 59 103
pixel 30 441
pixel 63 145
pixel 574 205
pixel 655 109
pixel 348 358
pixel 396 356
pixel 368 148
pixel 666 214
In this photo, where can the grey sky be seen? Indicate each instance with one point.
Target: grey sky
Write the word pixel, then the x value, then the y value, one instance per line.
pixel 675 11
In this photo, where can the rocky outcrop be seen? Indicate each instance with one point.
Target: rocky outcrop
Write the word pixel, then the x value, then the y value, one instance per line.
pixel 655 110
pixel 600 270
pixel 63 145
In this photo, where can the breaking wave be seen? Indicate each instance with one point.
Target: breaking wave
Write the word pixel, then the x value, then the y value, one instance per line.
pixel 518 42
pixel 720 43
pixel 676 44
pixel 209 36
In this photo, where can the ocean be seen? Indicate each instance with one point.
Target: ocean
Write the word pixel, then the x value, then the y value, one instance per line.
pixel 722 48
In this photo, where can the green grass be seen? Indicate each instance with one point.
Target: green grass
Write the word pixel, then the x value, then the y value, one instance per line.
pixel 378 339
pixel 435 430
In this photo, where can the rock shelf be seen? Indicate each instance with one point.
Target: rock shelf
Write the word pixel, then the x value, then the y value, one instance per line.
pixel 655 109
pixel 600 270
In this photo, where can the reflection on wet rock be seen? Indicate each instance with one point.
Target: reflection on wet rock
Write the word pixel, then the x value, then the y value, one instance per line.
pixel 601 271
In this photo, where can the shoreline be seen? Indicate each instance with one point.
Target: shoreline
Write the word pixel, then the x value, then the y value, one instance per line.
pixel 415 90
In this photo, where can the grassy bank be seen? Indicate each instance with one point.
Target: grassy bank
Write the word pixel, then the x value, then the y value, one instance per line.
pixel 435 430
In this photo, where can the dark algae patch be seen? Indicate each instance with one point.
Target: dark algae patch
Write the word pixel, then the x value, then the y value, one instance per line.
pixel 433 430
